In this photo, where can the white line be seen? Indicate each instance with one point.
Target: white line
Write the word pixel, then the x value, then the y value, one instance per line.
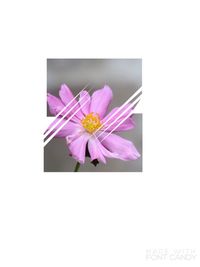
pixel 129 107
pixel 117 111
pixel 131 113
pixel 54 119
pixel 49 139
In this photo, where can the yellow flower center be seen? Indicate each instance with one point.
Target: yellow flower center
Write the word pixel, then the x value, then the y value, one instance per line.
pixel 91 122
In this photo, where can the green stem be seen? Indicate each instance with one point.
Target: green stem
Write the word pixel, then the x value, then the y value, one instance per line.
pixel 77 167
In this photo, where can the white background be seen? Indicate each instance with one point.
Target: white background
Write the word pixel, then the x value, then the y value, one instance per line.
pixel 62 219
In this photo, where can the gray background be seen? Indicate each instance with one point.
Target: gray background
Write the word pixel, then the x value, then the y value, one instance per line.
pixel 124 76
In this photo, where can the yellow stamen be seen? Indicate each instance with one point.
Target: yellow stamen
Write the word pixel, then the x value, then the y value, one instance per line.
pixel 91 122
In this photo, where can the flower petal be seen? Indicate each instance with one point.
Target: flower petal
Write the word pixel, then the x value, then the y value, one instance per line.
pixel 67 97
pixel 100 101
pixel 95 151
pixel 84 102
pixel 114 120
pixel 55 104
pixel 77 147
pixel 65 94
pixel 124 149
pixel 70 128
pixel 98 151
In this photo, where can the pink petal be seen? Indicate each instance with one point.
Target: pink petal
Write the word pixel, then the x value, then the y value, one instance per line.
pixel 98 151
pixel 70 128
pixel 84 97
pixel 114 120
pixel 77 147
pixel 65 94
pixel 100 101
pixel 67 97
pixel 124 149
pixel 55 104
pixel 95 151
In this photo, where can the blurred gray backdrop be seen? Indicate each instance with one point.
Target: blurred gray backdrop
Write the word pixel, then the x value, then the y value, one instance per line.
pixel 124 76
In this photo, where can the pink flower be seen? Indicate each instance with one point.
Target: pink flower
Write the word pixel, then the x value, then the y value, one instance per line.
pixel 81 132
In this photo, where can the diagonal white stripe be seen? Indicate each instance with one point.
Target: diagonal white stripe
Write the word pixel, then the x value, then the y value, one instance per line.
pixel 49 139
pixel 117 111
pixel 50 128
pixel 129 107
pixel 131 113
